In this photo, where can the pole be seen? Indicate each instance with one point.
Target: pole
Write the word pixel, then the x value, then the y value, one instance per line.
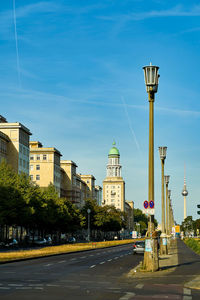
pixel 163 198
pixel 88 211
pixel 167 210
pixel 88 227
pixel 151 257
pixel 151 156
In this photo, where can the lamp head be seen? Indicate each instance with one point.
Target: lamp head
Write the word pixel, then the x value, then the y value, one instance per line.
pixel 163 152
pixel 167 179
pixel 151 78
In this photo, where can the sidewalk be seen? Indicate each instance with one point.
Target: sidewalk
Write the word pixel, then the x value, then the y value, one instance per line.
pixel 167 264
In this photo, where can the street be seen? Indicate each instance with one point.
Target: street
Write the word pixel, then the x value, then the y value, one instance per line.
pixel 98 274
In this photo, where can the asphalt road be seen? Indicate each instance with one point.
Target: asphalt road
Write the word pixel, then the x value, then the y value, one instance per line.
pixel 96 275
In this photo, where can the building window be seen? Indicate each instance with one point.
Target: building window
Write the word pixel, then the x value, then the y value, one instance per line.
pixel 38 157
pixel 23 163
pixel 37 167
pixel 37 177
pixel 20 162
pixel 88 181
pixel 31 157
pixel 20 148
pixel 31 177
pixel 31 167
pixel 44 157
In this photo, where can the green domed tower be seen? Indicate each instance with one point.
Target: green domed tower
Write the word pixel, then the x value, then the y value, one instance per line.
pixel 114 185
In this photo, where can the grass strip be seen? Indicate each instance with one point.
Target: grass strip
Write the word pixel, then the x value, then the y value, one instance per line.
pixel 193 243
pixel 61 249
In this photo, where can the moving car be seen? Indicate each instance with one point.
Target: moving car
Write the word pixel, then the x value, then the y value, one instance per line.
pixel 139 247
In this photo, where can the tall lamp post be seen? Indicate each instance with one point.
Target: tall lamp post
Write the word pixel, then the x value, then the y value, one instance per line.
pixel 151 246
pixel 163 248
pixel 167 177
pixel 88 211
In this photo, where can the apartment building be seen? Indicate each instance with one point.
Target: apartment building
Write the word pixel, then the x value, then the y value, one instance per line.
pixel 45 165
pixel 90 182
pixel 98 194
pixel 14 145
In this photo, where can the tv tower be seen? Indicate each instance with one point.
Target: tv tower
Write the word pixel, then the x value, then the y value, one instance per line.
pixel 184 193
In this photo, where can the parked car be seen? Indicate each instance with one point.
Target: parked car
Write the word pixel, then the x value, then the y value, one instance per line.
pixel 11 243
pixel 40 241
pixel 71 240
pixel 138 247
pixel 49 240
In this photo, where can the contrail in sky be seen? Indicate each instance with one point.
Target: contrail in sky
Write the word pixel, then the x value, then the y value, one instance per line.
pixel 16 44
pixel 130 125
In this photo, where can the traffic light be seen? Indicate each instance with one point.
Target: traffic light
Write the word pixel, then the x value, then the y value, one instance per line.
pixel 198 206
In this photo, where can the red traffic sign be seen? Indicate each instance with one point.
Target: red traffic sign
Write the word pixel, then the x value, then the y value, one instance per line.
pixel 151 204
pixel 146 204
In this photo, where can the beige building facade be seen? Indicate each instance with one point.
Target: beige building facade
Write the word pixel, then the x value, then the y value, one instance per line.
pixel 75 187
pixel 72 187
pixel 14 145
pixel 45 165
pixel 113 184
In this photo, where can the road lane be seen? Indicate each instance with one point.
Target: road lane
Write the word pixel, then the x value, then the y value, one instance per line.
pixel 95 269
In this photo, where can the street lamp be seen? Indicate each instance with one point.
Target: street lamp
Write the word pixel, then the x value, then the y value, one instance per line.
pixel 167 177
pixel 163 248
pixel 88 211
pixel 151 253
pixel 163 151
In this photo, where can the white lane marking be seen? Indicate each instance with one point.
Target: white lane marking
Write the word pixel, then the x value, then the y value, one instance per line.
pixel 37 284
pixel 73 259
pixel 4 288
pixel 116 257
pixel 91 255
pixel 103 262
pixel 62 261
pixel 186 291
pixel 52 285
pixel 24 288
pixel 139 286
pixel 38 288
pixel 72 287
pixel 15 284
pixel 92 266
pixel 48 265
pixel 109 259
pixel 82 257
pixel 127 296
pixel 9 272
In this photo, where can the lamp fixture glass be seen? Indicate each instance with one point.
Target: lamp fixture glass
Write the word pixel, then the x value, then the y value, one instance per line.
pixel 163 152
pixel 167 179
pixel 151 78
pixel 169 193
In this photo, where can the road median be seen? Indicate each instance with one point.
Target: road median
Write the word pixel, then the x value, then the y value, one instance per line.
pixel 57 250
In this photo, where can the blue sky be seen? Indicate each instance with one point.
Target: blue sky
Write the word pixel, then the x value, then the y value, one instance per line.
pixel 71 71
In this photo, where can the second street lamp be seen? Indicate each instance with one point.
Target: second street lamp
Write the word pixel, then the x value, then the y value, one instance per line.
pixel 151 246
pixel 163 248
